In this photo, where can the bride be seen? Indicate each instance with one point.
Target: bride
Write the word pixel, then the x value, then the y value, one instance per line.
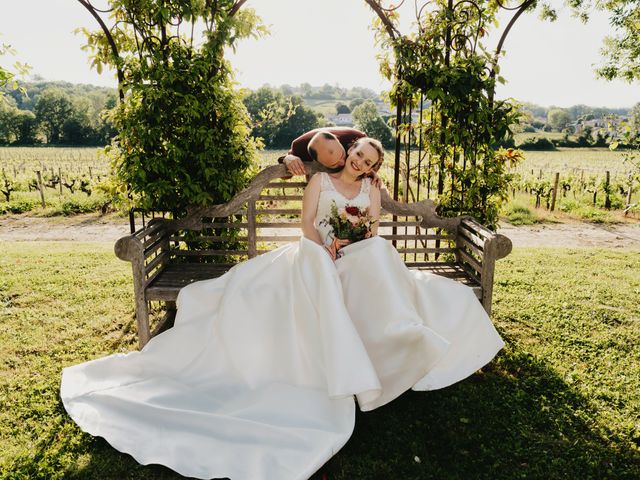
pixel 259 377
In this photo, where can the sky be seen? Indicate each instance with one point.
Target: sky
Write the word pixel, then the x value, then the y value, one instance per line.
pixel 330 41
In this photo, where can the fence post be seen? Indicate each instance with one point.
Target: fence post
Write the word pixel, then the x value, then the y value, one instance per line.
pixel 40 187
pixel 607 199
pixel 555 192
pixel 60 180
pixel 628 206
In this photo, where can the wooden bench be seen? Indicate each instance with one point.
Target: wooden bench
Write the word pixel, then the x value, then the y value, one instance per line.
pixel 168 254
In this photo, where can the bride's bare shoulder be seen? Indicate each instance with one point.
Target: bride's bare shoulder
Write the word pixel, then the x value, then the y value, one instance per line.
pixel 315 178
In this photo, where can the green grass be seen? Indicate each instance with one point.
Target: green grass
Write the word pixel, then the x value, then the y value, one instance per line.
pixel 560 401
pixel 520 214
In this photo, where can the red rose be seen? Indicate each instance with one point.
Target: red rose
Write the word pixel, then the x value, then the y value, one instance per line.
pixel 352 211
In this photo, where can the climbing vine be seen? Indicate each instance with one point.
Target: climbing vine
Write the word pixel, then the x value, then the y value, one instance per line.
pixel 183 133
pixel 442 71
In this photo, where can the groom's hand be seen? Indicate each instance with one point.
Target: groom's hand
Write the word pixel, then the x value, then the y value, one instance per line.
pixel 294 165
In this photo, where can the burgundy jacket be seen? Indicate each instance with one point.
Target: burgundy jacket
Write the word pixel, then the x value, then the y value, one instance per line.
pixel 346 136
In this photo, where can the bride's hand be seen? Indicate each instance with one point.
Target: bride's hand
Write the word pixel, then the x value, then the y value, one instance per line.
pixel 336 245
pixel 339 243
pixel 331 251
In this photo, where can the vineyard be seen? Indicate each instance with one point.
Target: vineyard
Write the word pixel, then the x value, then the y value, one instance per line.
pixel 52 180
pixel 589 184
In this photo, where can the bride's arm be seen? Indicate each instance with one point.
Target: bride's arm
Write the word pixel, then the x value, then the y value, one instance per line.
pixel 374 209
pixel 310 208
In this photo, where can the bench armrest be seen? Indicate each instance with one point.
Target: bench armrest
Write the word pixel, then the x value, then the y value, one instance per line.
pixel 491 247
pixel 499 245
pixel 132 247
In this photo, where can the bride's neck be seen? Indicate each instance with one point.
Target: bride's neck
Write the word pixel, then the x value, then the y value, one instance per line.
pixel 346 178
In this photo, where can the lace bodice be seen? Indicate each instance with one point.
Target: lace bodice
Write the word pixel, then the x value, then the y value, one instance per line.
pixel 328 195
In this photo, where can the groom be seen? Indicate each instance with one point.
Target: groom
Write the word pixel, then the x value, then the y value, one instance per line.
pixel 327 146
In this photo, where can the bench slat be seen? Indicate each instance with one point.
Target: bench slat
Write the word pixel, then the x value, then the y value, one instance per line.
pixel 471 246
pixel 278 225
pixel 472 237
pixel 279 211
pixel 418 237
pixel 208 238
pixel 176 276
pixel 207 253
pixel 471 261
pixel 279 197
pixel 286 185
pixel 425 250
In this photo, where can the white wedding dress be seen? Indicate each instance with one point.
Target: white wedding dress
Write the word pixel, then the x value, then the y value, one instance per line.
pixel 257 379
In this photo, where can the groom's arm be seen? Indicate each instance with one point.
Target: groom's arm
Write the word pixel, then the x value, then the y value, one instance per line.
pixel 298 153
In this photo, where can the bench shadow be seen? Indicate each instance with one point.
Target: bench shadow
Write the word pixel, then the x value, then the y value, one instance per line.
pixel 516 418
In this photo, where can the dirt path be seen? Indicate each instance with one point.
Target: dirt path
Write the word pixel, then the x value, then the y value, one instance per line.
pixel 95 227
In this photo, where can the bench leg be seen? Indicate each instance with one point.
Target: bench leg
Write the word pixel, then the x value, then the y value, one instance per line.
pixel 142 318
pixel 167 320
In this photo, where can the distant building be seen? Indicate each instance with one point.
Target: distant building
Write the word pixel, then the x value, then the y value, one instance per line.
pixel 342 120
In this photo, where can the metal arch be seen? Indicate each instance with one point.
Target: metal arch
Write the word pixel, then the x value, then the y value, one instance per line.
pixel 114 49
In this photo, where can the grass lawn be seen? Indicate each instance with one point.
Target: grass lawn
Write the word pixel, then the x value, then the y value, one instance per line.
pixel 562 400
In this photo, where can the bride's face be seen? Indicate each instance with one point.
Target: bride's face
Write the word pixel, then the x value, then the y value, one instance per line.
pixel 361 158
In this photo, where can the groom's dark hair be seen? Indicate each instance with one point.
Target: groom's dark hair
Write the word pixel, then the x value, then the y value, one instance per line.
pixel 312 151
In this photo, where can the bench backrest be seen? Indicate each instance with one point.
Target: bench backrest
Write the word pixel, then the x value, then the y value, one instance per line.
pixel 271 216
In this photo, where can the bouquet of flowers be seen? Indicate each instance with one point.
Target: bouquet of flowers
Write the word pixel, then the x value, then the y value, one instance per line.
pixel 350 223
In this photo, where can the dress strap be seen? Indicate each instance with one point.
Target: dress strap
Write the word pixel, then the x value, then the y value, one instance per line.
pixel 366 185
pixel 325 182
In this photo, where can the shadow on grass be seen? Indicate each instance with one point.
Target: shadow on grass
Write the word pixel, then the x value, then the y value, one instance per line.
pixel 514 419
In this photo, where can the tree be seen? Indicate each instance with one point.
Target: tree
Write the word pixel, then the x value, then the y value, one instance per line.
pixel 277 119
pixel 342 108
pixel 52 110
pixel 27 128
pixel 268 109
pixel 184 135
pixel 355 102
pixel 367 119
pixel 300 119
pixel 558 119
pixel 8 115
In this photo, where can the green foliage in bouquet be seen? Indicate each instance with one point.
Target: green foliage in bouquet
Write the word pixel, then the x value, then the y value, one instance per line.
pixel 350 223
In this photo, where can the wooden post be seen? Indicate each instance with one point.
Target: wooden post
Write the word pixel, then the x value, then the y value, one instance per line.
pixel 40 187
pixel 626 210
pixel 607 199
pixel 554 193
pixel 60 180
pixel 252 249
pixel 90 174
pixel 540 174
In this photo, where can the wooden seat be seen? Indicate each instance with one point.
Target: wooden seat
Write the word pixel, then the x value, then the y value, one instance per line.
pixel 168 254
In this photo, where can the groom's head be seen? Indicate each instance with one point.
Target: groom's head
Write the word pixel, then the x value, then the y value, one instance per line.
pixel 325 148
